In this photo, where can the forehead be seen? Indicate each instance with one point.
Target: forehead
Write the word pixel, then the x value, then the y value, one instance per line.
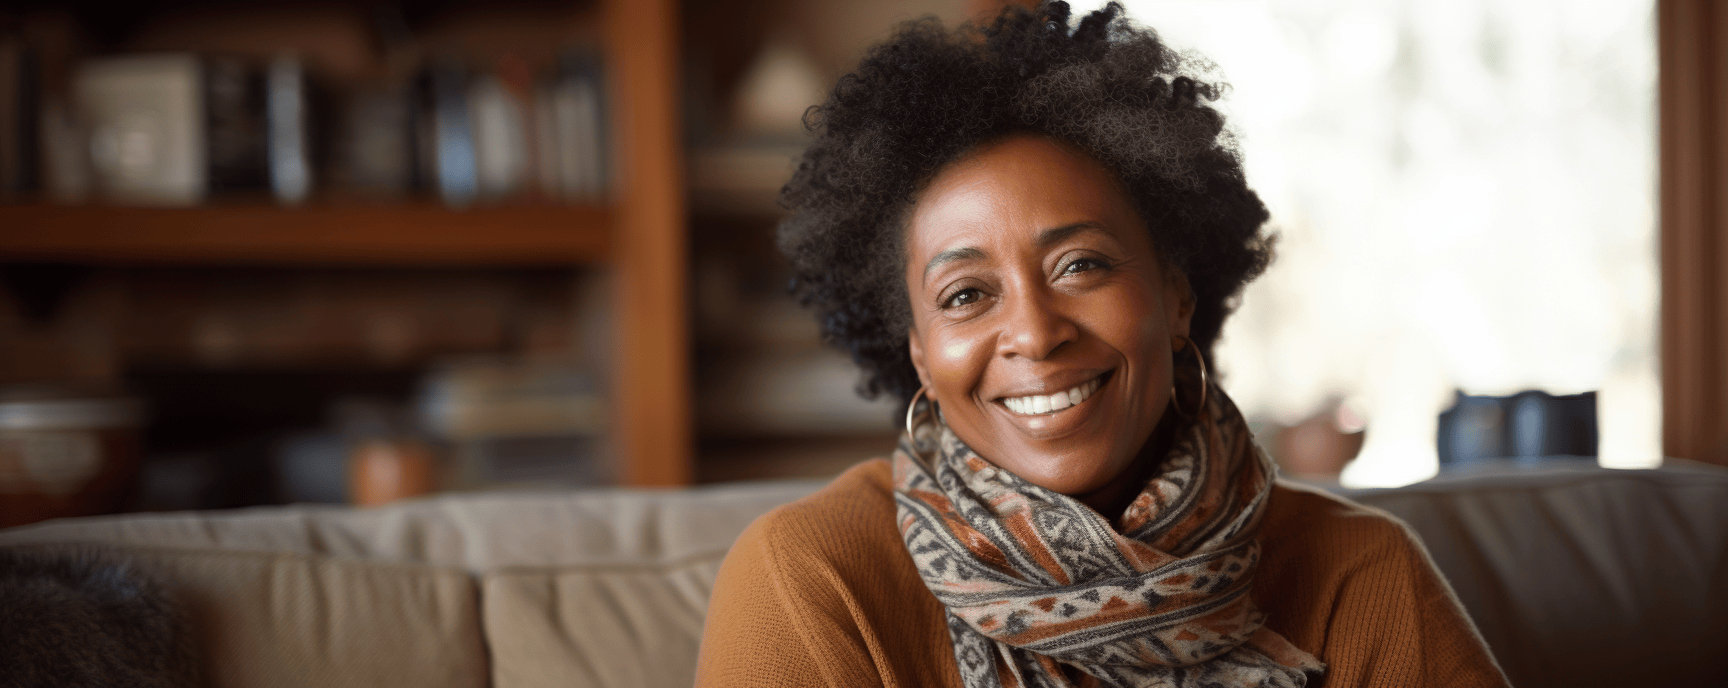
pixel 1013 189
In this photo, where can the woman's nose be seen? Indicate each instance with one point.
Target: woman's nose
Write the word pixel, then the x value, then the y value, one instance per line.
pixel 1035 325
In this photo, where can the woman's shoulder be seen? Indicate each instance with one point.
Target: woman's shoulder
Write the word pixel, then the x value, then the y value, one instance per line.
pixel 822 591
pixel 849 518
pixel 1355 586
pixel 1317 519
pixel 1319 541
pixel 864 490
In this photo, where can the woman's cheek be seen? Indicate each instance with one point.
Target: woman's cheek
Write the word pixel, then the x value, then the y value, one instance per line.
pixel 956 369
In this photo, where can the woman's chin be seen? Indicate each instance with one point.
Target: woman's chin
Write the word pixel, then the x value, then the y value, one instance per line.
pixel 1074 463
pixel 1062 479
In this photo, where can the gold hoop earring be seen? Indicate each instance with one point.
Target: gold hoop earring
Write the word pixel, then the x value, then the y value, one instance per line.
pixel 912 408
pixel 1204 383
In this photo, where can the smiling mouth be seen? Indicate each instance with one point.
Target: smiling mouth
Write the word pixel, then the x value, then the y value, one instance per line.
pixel 1046 404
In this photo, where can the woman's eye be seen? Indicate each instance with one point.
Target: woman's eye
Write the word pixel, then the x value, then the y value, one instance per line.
pixel 1082 265
pixel 964 297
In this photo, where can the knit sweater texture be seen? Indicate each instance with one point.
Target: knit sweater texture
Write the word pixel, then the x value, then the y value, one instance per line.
pixel 821 592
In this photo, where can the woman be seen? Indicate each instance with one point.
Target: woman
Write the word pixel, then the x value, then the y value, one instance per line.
pixel 1031 234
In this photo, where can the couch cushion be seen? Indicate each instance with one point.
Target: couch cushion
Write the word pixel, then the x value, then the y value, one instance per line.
pixel 1583 576
pixel 609 590
pixel 266 620
pixel 601 626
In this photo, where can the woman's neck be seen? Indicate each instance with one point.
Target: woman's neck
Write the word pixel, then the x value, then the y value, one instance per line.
pixel 1113 498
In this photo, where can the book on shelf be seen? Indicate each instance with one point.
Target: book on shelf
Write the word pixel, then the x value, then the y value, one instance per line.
pixel 448 132
pixel 234 114
pixel 374 148
pixel 145 118
pixel 20 93
pixel 577 104
pixel 501 138
pixel 288 145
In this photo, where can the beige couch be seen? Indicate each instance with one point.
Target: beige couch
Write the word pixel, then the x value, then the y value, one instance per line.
pixel 1578 576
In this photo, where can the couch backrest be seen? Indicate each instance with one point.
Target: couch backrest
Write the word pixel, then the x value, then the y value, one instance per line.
pixel 1577 577
pixel 604 588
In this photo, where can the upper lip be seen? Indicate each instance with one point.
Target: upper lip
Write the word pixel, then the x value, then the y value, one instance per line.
pixel 1051 384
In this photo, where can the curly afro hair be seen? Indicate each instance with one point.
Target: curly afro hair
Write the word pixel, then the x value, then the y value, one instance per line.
pixel 928 95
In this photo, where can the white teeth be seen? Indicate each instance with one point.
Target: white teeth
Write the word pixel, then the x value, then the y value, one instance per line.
pixel 1042 403
pixel 1059 401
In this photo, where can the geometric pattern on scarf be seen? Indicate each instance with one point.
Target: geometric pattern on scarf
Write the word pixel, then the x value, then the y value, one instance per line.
pixel 1033 579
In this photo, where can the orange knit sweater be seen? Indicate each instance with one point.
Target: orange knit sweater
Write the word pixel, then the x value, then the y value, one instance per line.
pixel 821 592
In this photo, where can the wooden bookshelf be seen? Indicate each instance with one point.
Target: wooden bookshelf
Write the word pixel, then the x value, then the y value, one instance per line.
pixel 420 234
pixel 640 239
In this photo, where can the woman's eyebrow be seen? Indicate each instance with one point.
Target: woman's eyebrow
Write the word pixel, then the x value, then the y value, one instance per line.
pixel 1055 235
pixel 1046 239
pixel 951 255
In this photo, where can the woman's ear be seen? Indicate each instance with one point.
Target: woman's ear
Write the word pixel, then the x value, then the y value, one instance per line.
pixel 1179 302
pixel 915 348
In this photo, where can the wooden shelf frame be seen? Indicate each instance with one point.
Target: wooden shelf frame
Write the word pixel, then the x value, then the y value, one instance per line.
pixel 652 381
pixel 403 234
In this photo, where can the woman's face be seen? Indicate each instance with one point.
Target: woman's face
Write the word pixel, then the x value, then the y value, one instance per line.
pixel 1042 321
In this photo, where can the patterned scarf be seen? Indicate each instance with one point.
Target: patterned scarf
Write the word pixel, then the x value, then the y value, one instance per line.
pixel 1033 579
